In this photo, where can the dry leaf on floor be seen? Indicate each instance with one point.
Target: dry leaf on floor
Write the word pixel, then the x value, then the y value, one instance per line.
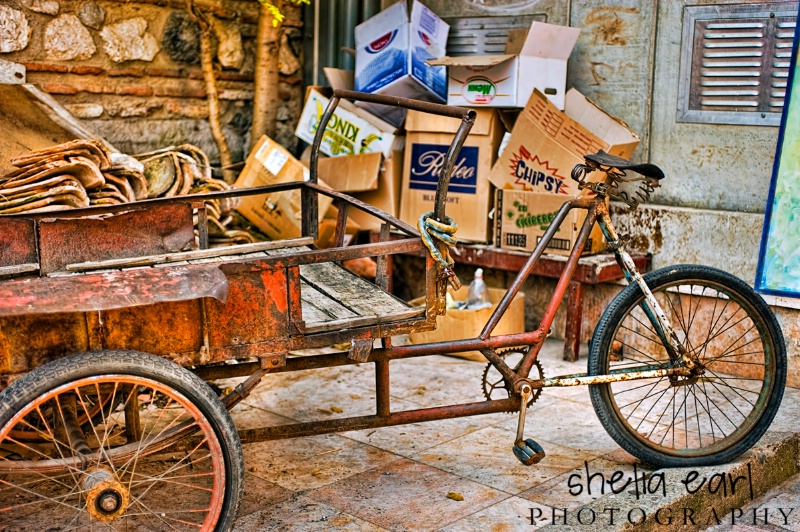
pixel 455 496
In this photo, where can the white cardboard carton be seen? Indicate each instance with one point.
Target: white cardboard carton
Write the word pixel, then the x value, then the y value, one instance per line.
pixel 391 54
pixel 350 131
pixel 508 80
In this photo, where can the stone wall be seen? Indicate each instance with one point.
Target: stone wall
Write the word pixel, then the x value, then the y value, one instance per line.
pixel 131 69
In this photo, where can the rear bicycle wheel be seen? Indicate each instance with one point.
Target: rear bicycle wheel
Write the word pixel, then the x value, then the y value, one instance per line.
pixel 720 411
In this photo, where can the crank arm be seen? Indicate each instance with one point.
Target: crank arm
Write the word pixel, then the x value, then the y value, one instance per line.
pixel 527 451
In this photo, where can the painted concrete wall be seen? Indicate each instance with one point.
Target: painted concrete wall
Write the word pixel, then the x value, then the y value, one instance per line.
pixel 627 60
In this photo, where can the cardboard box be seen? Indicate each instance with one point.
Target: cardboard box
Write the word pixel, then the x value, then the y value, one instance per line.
pixel 391 54
pixel 350 131
pixel 387 195
pixel 459 324
pixel 547 143
pixel 522 218
pixel 508 80
pixel 469 195
pixel 327 230
pixel 278 215
pixel 353 173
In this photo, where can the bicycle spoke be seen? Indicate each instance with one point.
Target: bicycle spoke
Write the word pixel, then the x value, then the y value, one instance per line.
pixel 711 407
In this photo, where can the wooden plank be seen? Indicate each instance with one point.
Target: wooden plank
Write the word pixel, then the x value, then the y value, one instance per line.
pixel 353 292
pixel 318 307
pixel 243 249
pixel 284 251
pixel 55 112
pixel 323 314
pixel 18 268
pixel 336 325
pixel 209 260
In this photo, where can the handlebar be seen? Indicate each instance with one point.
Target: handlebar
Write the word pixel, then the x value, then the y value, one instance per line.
pixel 467 117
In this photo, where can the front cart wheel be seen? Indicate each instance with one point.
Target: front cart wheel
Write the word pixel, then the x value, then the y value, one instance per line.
pixel 165 457
pixel 726 405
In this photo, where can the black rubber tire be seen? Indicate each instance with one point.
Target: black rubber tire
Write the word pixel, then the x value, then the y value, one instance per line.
pixel 619 341
pixel 46 378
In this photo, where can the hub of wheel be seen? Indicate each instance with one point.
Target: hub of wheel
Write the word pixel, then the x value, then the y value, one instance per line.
pixel 106 497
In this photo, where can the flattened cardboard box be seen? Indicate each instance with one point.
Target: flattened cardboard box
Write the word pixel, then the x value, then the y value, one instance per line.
pixel 387 196
pixel 352 173
pixel 458 324
pixel 547 143
pixel 278 215
pixel 469 196
pixel 508 80
pixel 522 218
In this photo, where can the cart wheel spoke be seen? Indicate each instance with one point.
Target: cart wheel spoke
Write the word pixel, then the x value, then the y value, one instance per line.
pixel 96 472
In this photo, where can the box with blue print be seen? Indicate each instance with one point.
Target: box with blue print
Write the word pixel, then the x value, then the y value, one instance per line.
pixel 469 195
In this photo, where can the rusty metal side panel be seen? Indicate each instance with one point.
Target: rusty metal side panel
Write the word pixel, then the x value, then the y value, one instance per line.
pixel 160 229
pixel 27 342
pixel 172 330
pixel 17 241
pixel 257 310
pixel 117 289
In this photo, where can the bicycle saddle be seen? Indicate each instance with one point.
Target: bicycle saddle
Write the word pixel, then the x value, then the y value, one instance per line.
pixel 605 159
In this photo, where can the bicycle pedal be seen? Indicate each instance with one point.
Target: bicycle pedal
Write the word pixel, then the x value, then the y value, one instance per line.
pixel 528 452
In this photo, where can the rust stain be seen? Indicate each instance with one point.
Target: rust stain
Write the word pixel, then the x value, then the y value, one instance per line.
pixel 650 238
pixel 601 72
pixel 607 27
pixel 712 155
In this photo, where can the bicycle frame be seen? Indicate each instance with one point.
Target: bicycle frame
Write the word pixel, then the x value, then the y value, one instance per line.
pixel 597 212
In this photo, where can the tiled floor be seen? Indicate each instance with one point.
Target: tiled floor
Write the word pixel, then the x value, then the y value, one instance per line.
pixel 454 475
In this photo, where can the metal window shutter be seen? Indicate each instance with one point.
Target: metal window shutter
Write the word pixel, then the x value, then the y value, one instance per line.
pixel 737 57
pixel 741 64
pixel 484 35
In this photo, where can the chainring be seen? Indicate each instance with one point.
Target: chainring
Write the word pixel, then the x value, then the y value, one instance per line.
pixel 492 381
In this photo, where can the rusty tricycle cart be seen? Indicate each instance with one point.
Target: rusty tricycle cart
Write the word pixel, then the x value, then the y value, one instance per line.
pixel 113 318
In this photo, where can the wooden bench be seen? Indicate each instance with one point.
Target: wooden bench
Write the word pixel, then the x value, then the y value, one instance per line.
pixel 591 270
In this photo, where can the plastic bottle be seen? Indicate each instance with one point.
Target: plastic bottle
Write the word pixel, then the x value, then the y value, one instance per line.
pixel 478 294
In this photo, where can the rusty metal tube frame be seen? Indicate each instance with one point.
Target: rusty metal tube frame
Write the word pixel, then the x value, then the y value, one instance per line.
pixel 329 426
pixel 597 212
pixel 583 379
pixel 653 311
pixel 485 343
pixel 467 117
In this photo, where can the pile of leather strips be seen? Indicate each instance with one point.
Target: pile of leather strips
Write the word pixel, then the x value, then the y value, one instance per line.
pixel 83 173
pixel 185 169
